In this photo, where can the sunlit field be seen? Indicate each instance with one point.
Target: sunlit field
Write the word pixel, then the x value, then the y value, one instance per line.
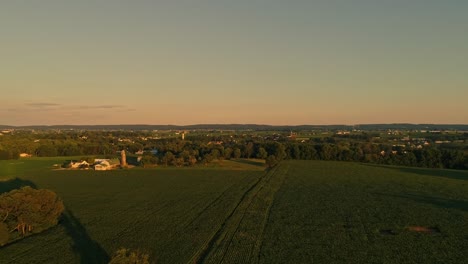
pixel 236 212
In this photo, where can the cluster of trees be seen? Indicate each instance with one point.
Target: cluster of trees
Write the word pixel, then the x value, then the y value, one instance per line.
pixel 186 153
pixel 428 157
pixel 8 154
pixel 176 152
pixel 27 211
pixel 127 256
pixel 51 144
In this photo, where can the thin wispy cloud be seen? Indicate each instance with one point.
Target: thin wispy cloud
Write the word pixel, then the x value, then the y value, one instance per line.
pixel 45 107
pixel 56 113
pixel 43 104
pixel 94 107
pixel 35 107
pixel 126 109
pixel 108 106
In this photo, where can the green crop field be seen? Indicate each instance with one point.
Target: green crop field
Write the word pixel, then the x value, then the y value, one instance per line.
pixel 331 212
pixel 234 212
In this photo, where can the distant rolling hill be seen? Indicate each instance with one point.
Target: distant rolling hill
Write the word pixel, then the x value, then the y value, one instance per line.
pixel 402 126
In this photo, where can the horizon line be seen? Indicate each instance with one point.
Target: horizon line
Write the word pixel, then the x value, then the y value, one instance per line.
pixel 237 124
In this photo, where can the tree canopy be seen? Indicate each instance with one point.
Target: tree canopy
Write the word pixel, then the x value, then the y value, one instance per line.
pixel 126 256
pixel 27 211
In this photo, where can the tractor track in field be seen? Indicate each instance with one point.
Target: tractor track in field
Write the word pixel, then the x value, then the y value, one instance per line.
pixel 215 201
pixel 136 223
pixel 200 256
pixel 239 238
pixel 201 227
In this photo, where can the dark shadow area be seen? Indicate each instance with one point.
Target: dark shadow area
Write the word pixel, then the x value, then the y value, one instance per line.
pixel 450 174
pixel 249 162
pixel 436 201
pixel 388 232
pixel 132 160
pixel 89 250
pixel 443 173
pixel 16 183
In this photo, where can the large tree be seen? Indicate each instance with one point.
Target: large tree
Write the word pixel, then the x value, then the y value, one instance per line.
pixel 126 256
pixel 26 211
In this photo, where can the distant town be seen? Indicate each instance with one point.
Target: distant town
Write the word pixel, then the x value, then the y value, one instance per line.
pixel 434 146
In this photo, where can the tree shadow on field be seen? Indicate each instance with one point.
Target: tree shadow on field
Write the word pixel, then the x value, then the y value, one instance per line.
pixel 436 201
pixel 450 174
pixel 89 250
pixel 16 183
pixel 443 173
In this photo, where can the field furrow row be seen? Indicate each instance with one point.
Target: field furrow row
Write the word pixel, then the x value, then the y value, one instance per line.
pixel 238 241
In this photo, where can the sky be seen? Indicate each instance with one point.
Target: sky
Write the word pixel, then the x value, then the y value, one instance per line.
pixel 222 61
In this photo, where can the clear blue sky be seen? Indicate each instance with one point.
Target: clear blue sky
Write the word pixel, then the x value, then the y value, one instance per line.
pixel 243 61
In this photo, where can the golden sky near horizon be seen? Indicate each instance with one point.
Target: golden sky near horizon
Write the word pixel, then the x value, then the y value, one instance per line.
pixel 265 62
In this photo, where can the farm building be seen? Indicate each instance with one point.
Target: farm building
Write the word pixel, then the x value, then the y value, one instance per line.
pixel 102 164
pixel 97 161
pixel 79 164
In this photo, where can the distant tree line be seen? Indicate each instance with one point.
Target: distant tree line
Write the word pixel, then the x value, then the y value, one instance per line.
pixel 8 154
pixel 203 149
pixel 273 152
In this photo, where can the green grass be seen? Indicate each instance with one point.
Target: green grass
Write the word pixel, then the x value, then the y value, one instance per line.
pixel 233 212
pixel 10 169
